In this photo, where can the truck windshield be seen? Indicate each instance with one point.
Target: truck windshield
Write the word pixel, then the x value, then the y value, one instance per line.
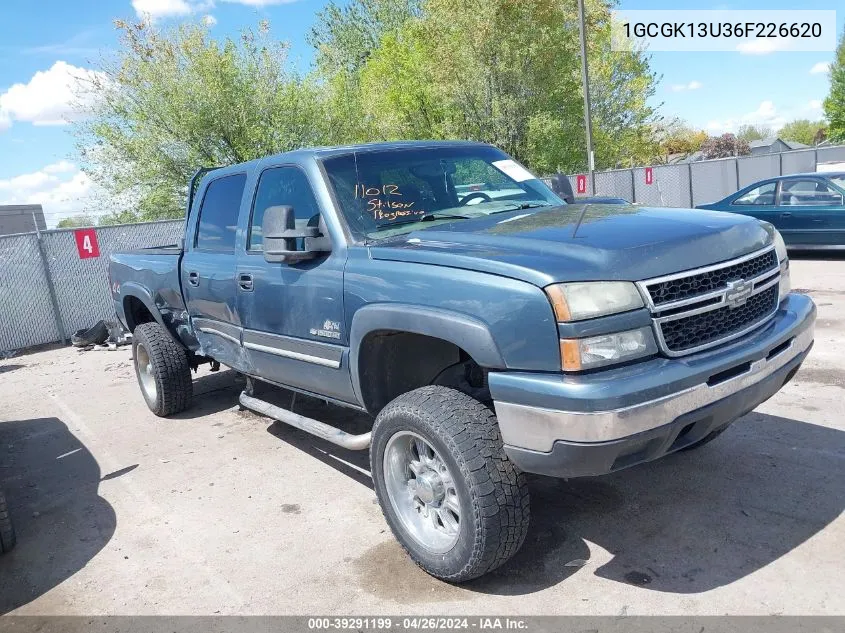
pixel 388 192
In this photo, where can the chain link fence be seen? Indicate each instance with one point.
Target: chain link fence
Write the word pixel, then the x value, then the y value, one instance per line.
pixel 47 291
pixel 701 182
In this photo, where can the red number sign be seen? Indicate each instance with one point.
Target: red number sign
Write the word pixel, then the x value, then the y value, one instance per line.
pixel 649 175
pixel 86 243
pixel 581 183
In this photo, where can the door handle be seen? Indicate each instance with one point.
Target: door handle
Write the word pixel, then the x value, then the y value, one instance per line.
pixel 194 278
pixel 245 282
pixel 786 214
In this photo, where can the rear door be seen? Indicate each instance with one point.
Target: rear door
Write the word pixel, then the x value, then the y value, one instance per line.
pixel 208 270
pixel 810 212
pixel 293 321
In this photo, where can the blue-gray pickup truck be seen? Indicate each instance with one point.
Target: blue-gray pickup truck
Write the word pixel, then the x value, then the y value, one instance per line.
pixel 488 328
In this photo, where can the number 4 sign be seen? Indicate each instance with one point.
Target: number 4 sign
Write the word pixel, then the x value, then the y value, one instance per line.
pixel 86 243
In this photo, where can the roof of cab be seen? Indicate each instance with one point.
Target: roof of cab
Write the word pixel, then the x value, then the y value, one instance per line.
pixel 340 150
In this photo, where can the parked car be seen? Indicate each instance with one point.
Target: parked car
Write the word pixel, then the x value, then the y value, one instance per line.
pixel 510 336
pixel 807 209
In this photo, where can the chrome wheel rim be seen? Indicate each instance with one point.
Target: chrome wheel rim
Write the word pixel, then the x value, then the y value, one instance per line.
pixel 144 366
pixel 422 492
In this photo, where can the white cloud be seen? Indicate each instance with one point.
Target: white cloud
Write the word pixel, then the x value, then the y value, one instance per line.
pixel 209 20
pixel 51 97
pixel 693 85
pixel 62 167
pixel 60 188
pixel 160 8
pixel 260 3
pixel 763 46
pixel 766 115
pixel 820 68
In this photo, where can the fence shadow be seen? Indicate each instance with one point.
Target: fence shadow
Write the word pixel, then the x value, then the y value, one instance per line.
pixel 51 483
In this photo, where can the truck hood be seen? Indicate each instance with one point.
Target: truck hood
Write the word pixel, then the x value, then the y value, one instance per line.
pixel 612 242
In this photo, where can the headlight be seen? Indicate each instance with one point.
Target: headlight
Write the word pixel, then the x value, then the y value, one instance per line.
pixel 783 259
pixel 780 246
pixel 587 300
pixel 607 349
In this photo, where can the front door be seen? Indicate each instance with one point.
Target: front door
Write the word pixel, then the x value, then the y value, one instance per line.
pixel 208 271
pixel 292 313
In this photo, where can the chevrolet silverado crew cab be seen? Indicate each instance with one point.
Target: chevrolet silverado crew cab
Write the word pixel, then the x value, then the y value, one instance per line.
pixel 488 328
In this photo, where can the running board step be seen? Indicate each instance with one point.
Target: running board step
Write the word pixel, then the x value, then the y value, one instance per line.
pixel 309 425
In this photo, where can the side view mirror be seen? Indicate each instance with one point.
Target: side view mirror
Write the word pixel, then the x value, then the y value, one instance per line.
pixel 279 236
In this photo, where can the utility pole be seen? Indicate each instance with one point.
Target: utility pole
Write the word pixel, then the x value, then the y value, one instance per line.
pixel 585 80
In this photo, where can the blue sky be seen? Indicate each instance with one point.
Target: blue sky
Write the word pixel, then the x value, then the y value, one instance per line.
pixel 43 43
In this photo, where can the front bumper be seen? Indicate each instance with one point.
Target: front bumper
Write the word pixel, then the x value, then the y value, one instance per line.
pixel 591 424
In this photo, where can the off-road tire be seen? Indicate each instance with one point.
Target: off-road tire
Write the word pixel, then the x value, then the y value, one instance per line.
pixel 170 367
pixel 706 439
pixel 493 493
pixel 7 531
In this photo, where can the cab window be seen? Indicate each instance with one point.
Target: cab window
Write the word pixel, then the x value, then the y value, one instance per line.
pixel 764 194
pixel 218 216
pixel 283 186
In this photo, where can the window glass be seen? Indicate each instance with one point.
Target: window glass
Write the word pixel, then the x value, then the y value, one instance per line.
pixel 764 194
pixel 283 186
pixel 808 193
pixel 219 213
pixel 389 192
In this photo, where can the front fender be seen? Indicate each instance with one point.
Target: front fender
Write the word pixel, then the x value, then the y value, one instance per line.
pixel 464 331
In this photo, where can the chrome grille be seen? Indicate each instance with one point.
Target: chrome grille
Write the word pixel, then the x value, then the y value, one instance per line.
pixel 702 308
pixel 701 283
pixel 699 329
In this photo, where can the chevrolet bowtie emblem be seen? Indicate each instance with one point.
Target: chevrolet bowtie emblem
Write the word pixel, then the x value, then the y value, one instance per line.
pixel 737 292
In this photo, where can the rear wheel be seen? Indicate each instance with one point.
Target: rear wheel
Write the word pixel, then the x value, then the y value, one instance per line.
pixel 451 496
pixel 163 370
pixel 7 532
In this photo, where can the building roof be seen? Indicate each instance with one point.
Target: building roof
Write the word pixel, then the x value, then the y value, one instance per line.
pixel 21 218
pixel 768 142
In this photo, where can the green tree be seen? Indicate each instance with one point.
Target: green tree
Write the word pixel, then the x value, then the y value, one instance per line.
pixel 174 100
pixel 74 221
pixel 753 132
pixel 677 137
pixel 490 71
pixel 804 131
pixel 834 105
pixel 725 146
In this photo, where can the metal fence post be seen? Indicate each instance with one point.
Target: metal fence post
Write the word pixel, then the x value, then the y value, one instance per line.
pixel 736 169
pixel 633 186
pixel 57 315
pixel 689 170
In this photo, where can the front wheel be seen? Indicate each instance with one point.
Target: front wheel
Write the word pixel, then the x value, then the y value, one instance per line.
pixel 451 496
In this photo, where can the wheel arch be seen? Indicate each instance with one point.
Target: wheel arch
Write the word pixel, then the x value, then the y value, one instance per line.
pixel 381 330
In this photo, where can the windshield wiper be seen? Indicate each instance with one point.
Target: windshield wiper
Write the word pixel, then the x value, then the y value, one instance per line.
pixel 518 206
pixel 441 216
